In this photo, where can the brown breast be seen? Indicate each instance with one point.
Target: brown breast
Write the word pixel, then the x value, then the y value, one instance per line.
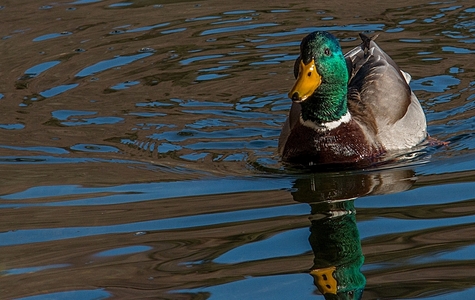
pixel 344 146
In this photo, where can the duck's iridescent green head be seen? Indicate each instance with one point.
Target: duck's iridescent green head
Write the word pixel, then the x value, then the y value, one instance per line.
pixel 321 61
pixel 322 77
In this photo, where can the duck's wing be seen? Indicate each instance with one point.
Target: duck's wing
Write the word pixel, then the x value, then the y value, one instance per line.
pixel 378 82
pixel 379 97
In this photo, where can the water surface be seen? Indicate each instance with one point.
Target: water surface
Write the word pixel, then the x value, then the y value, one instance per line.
pixel 138 153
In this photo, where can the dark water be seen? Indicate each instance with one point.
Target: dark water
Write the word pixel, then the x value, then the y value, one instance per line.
pixel 138 155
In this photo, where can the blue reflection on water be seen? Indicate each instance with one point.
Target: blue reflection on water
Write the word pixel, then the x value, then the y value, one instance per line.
pixel 236 28
pixel 27 270
pixel 12 126
pixel 94 148
pixel 72 295
pixel 64 114
pixel 150 191
pixel 430 195
pixel 302 31
pixel 45 149
pixel 266 287
pixel 111 63
pixel 58 90
pixel 91 121
pixel 27 236
pixel 464 294
pixel 289 243
pixel 51 36
pixel 40 68
pixel 124 85
pixel 124 251
pixel 147 28
pixel 386 226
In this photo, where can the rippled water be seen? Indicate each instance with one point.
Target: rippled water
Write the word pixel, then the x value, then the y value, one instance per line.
pixel 138 155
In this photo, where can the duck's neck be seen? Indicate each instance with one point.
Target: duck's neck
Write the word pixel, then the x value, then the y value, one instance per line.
pixel 327 104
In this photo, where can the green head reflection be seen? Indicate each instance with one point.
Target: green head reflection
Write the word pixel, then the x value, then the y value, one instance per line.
pixel 334 236
pixel 336 246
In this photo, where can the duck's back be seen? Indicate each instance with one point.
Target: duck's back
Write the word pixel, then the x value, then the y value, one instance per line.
pixel 380 99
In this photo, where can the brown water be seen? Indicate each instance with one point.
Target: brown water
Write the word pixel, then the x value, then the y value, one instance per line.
pixel 138 155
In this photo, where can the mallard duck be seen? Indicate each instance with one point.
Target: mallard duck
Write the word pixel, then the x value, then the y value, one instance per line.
pixel 348 110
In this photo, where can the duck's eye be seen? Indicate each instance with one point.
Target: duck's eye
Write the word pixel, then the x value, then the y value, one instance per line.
pixel 309 74
pixel 327 52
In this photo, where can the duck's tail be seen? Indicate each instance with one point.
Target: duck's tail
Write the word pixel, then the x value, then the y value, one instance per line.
pixel 367 41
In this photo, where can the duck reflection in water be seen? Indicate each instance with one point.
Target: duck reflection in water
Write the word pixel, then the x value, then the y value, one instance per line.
pixel 334 236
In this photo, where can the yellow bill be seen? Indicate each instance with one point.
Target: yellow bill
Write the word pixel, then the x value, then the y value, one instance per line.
pixel 326 282
pixel 307 82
